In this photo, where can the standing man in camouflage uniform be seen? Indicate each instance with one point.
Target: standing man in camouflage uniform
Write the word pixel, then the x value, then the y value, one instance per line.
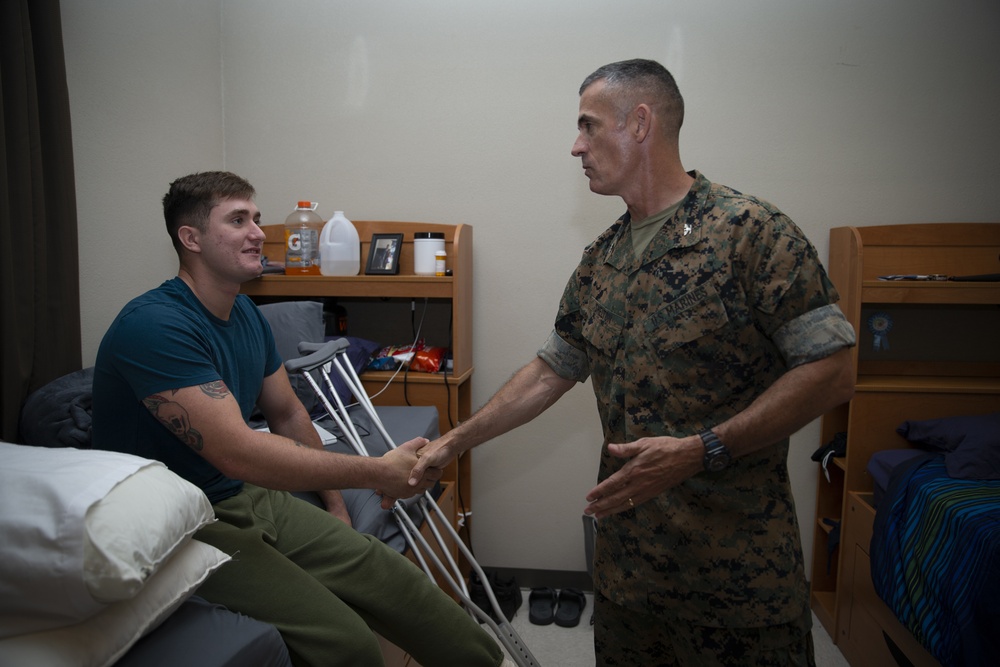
pixel 710 332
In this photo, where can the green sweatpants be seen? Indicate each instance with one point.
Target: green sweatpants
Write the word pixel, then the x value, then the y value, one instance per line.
pixel 327 587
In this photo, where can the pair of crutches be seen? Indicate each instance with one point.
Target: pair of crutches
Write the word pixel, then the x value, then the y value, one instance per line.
pixel 322 356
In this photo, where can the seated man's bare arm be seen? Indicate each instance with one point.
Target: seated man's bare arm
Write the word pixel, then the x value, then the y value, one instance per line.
pixel 207 418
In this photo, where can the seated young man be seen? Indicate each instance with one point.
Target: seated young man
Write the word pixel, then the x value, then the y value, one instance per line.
pixel 176 378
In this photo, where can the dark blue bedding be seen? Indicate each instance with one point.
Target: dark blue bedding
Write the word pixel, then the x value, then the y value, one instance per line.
pixel 935 560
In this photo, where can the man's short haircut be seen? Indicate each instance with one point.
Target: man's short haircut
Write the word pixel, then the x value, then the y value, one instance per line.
pixel 190 199
pixel 638 81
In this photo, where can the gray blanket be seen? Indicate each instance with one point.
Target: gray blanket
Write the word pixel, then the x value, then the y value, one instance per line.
pixel 58 414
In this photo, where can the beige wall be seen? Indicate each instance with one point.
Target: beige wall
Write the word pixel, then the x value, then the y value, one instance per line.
pixel 842 113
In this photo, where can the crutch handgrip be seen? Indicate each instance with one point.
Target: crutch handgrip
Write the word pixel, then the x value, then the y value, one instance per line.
pixel 322 354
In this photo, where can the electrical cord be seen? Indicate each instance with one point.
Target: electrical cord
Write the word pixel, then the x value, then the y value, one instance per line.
pixel 413 347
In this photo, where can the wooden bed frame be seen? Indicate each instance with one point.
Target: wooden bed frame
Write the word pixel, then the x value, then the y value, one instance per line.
pixel 888 393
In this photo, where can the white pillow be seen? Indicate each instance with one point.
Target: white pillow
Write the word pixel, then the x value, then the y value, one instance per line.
pixel 137 526
pixel 133 512
pixel 105 637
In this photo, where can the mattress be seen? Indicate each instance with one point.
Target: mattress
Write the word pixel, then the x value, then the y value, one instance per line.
pixel 201 634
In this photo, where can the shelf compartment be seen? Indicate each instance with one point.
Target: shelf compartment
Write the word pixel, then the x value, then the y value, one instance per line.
pixel 823 605
pixel 456 288
pixel 384 377
pixel 824 526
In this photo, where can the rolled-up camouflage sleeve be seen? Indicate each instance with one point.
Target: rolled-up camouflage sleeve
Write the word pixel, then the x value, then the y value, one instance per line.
pixel 567 361
pixel 814 335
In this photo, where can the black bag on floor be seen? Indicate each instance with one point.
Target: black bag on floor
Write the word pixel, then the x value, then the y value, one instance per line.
pixel 506 591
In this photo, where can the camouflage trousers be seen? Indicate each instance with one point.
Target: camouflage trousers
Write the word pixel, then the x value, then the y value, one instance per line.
pixel 628 638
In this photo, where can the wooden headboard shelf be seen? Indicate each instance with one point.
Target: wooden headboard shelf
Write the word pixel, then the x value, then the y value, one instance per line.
pixel 860 255
pixel 456 288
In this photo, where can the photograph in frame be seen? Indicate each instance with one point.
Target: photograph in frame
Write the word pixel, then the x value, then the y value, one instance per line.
pixel 383 254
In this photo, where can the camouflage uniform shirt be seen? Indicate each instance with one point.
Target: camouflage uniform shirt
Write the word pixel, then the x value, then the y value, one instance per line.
pixel 727 297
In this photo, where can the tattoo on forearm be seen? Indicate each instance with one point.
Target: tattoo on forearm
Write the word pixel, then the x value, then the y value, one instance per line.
pixel 172 415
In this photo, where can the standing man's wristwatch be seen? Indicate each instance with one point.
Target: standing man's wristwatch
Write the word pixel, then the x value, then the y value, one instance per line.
pixel 716 455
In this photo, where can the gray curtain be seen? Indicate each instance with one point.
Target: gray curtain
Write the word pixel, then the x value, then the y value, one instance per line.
pixel 39 265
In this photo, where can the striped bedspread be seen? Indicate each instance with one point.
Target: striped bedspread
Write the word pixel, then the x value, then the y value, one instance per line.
pixel 935 560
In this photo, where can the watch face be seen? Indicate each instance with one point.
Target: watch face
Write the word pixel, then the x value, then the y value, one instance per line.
pixel 717 462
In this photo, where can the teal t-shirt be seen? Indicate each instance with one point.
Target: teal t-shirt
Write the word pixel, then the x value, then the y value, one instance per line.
pixel 166 339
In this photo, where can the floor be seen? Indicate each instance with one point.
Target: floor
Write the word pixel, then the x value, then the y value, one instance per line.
pixel 555 646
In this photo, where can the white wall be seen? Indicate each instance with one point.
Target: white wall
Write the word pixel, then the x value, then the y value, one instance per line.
pixel 842 113
pixel 146 103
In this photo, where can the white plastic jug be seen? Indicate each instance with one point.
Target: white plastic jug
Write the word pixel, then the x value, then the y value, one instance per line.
pixel 339 247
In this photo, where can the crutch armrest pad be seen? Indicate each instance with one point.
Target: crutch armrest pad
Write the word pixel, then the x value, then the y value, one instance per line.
pixel 306 347
pixel 323 354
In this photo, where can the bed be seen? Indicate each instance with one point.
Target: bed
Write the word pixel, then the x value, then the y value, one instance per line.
pixel 922 299
pixel 52 611
pixel 935 538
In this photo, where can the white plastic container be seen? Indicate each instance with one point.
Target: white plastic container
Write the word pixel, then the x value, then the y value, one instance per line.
pixel 425 247
pixel 339 247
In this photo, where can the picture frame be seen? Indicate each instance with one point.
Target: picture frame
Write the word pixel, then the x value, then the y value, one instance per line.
pixel 383 254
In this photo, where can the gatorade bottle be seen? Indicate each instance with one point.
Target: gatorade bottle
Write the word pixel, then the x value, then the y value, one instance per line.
pixel 302 229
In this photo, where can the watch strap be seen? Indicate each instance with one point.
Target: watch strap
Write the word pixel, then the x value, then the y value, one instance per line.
pixel 716 455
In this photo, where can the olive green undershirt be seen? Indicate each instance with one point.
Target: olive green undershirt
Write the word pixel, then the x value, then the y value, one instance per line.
pixel 644 230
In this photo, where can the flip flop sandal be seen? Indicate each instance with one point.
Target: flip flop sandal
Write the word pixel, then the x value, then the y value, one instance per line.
pixel 541 605
pixel 571 604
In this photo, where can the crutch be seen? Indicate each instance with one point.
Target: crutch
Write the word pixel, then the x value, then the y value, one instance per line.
pixel 322 356
pixel 346 426
pixel 305 365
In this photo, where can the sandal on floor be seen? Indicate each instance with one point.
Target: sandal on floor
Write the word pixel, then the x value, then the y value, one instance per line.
pixel 571 604
pixel 541 605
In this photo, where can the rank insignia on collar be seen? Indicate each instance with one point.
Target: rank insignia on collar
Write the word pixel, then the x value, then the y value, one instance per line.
pixel 687 229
